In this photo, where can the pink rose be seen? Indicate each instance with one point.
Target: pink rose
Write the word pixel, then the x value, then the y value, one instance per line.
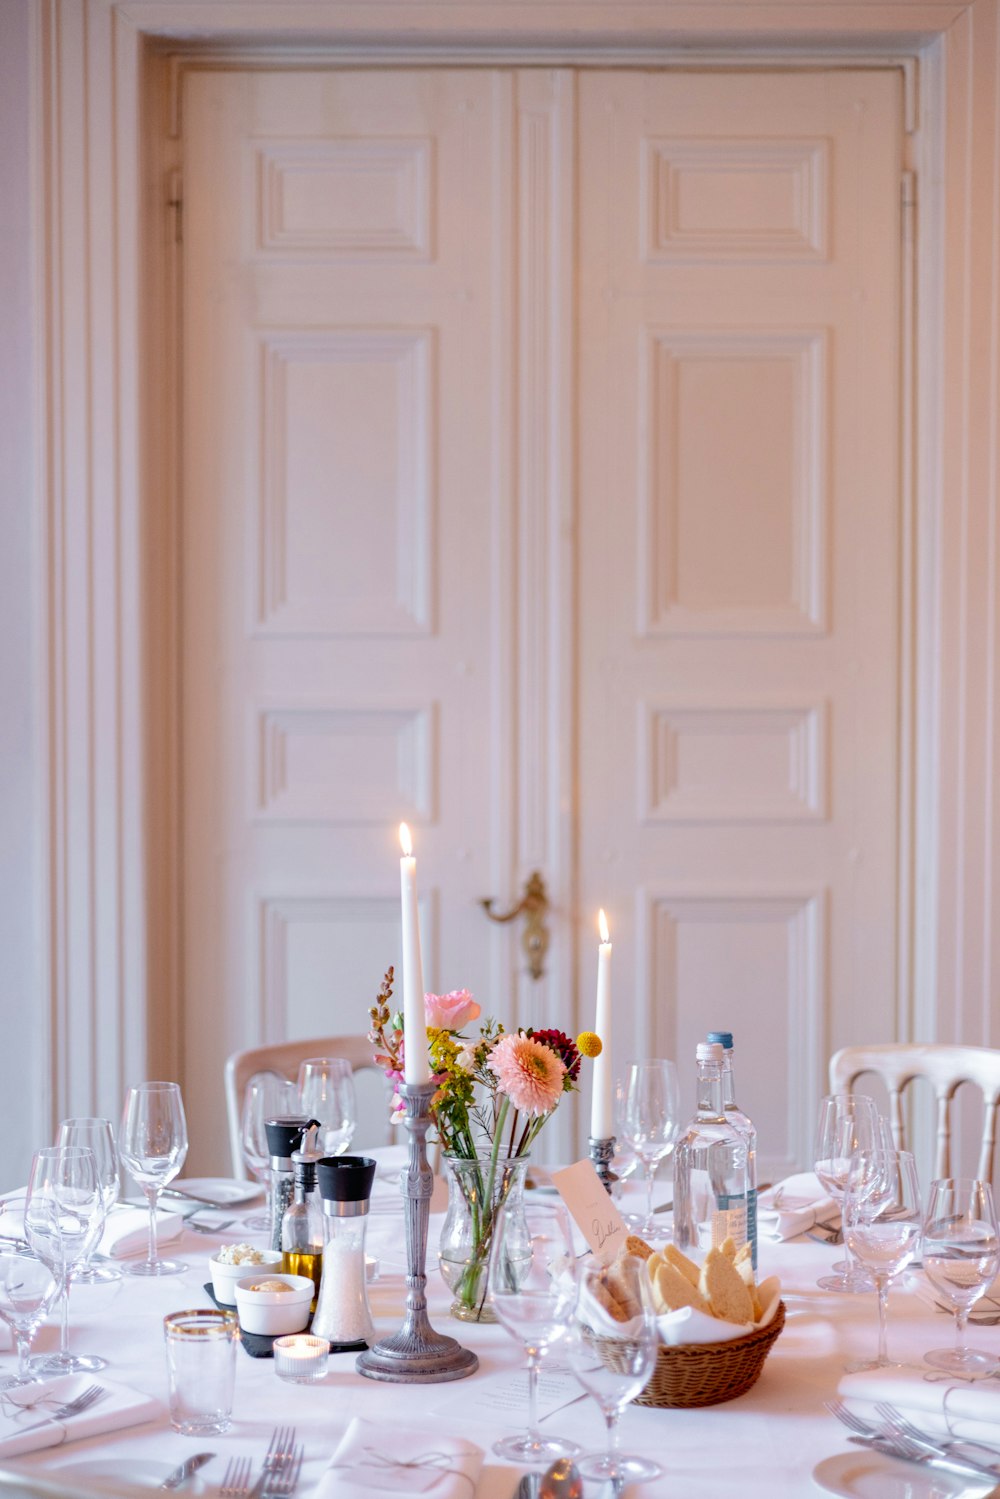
pixel 449 1012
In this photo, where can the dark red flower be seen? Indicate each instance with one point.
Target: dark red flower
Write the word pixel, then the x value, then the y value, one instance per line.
pixel 563 1047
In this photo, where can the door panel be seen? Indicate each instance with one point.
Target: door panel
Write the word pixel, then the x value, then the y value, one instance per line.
pixel 739 498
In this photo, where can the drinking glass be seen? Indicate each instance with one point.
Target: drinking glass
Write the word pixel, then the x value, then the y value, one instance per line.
pixel 98 1136
pixel 613 1360
pixel 153 1144
pixel 201 1369
pixel 27 1291
pixel 650 1122
pixel 533 1290
pixel 267 1095
pixel 961 1253
pixel 326 1093
pixel 847 1122
pixel 882 1224
pixel 63 1220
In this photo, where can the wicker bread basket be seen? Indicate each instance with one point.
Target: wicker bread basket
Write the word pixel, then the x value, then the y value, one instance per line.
pixel 690 1374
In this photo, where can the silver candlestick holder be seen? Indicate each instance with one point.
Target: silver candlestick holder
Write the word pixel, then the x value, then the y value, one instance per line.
pixel 601 1153
pixel 416 1354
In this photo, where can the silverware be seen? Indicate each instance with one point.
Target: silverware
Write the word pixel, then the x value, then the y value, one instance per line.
pixel 561 1481
pixel 278 1459
pixel 75 1407
pixel 236 1479
pixel 528 1487
pixel 210 1228
pixel 909 1452
pixel 187 1468
pixel 209 1202
pixel 895 1428
pixel 897 1424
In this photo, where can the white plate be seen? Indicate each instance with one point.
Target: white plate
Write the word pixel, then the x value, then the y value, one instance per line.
pixel 871 1475
pixel 222 1189
pixel 108 1475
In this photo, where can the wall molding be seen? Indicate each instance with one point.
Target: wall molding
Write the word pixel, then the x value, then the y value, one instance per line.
pixel 105 461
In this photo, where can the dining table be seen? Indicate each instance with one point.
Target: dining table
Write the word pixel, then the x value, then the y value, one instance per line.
pixel 776 1440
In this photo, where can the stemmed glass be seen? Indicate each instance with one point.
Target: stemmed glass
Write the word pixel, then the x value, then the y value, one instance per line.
pixel 326 1093
pixel 882 1224
pixel 533 1290
pixel 961 1254
pixel 650 1122
pixel 613 1360
pixel 153 1144
pixel 63 1220
pixel 848 1122
pixel 27 1291
pixel 267 1095
pixel 98 1136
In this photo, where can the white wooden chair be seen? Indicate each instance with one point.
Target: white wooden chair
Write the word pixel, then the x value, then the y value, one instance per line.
pixel 284 1057
pixel 945 1068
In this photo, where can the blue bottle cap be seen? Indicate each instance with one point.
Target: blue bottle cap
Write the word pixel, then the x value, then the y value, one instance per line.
pixel 722 1038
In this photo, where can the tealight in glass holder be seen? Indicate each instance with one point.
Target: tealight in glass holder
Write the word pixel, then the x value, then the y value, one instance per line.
pixel 300 1358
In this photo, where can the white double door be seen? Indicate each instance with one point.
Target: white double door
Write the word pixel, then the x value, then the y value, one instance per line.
pixel 540 488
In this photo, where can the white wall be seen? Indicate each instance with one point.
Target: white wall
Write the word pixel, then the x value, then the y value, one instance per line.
pixel 21 994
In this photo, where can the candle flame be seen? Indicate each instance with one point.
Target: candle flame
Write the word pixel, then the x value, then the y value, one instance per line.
pixel 602 926
pixel 405 841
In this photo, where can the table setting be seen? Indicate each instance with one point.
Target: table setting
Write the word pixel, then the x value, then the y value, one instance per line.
pixel 550 1333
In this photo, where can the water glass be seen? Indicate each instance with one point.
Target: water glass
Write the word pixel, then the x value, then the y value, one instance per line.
pixel 63 1221
pixel 201 1369
pixel 961 1253
pixel 848 1122
pixel 650 1123
pixel 153 1144
pixel 613 1359
pixel 326 1093
pixel 98 1136
pixel 533 1291
pixel 882 1224
pixel 28 1290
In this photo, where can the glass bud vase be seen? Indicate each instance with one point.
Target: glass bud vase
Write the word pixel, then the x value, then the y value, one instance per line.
pixel 477 1188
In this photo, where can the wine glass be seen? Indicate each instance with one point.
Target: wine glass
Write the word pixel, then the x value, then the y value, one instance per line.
pixel 326 1093
pixel 961 1254
pixel 882 1224
pixel 98 1136
pixel 153 1144
pixel 847 1122
pixel 533 1290
pixel 267 1095
pixel 613 1360
pixel 63 1220
pixel 27 1291
pixel 650 1122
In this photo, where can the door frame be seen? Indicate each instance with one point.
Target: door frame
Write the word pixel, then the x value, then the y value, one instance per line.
pixel 107 469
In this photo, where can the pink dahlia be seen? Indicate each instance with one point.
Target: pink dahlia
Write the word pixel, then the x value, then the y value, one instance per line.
pixel 529 1073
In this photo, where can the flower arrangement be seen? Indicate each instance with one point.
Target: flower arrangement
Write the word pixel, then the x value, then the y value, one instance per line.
pixel 493 1096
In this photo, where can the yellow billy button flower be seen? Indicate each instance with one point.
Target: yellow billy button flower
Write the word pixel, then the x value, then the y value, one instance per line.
pixel 589 1044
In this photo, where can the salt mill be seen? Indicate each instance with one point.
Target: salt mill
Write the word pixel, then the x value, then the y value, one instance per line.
pixel 342 1313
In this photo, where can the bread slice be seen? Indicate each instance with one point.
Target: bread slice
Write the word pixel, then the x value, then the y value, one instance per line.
pixel 743 1265
pixel 722 1286
pixel 680 1262
pixel 672 1290
pixel 635 1245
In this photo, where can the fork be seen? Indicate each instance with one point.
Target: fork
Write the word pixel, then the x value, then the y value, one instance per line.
pixel 899 1425
pixel 236 1479
pixel 854 1423
pixel 896 1445
pixel 284 1479
pixel 278 1457
pixel 211 1228
pixel 74 1407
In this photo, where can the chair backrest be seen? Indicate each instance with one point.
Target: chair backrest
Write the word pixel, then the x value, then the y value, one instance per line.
pixel 284 1057
pixel 945 1068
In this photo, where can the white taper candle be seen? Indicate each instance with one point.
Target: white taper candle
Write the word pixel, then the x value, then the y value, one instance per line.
pixel 602 1114
pixel 416 1066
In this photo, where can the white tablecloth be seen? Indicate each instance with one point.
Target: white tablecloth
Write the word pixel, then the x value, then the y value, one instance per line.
pixel 764 1445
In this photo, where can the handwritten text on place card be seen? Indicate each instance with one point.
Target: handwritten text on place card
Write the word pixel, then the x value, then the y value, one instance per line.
pixel 593 1211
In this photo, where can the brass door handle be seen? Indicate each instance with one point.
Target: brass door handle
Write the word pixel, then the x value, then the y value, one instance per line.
pixel 533 905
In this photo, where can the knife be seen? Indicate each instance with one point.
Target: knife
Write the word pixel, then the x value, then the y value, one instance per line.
pixel 188 1467
pixel 528 1487
pixel 211 1202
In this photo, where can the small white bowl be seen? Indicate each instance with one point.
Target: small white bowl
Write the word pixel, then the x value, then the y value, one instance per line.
pixel 224 1277
pixel 274 1312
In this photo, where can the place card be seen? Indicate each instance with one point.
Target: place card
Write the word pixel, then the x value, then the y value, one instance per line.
pixel 592 1210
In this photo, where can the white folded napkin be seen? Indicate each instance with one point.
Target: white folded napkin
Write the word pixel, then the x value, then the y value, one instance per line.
pixel 26 1405
pixel 793 1207
pixel 125 1232
pixel 414 1461
pixel 689 1326
pixel 933 1400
